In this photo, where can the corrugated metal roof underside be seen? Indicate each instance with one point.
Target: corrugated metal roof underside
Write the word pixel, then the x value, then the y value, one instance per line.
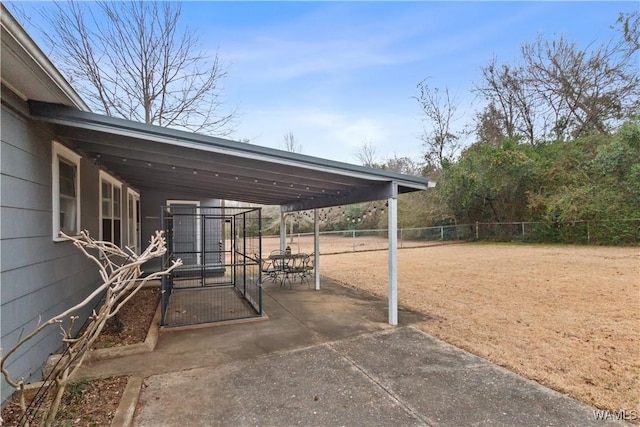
pixel 153 157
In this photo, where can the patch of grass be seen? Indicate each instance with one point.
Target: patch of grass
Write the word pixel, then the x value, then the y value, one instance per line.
pixel 75 391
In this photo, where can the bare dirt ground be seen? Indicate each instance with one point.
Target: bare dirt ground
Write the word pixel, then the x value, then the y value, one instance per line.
pixel 131 324
pixel 94 403
pixel 339 242
pixel 565 316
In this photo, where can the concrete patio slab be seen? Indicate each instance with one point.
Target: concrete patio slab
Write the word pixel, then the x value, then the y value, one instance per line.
pixel 309 387
pixel 296 318
pixel 329 358
pixel 398 377
pixel 449 387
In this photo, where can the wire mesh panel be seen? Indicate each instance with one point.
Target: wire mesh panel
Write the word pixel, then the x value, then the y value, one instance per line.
pixel 220 275
pixel 248 252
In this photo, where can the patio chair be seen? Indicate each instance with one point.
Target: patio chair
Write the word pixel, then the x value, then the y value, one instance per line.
pixel 268 269
pixel 295 267
pixel 279 264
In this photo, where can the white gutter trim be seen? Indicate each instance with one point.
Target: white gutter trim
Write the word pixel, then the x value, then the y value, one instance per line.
pixel 138 134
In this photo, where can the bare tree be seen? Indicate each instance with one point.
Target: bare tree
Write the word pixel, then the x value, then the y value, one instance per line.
pixel 630 29
pixel 586 90
pixel 403 165
pixel 290 143
pixel 501 108
pixel 561 91
pixel 490 125
pixel 367 154
pixel 510 101
pixel 439 111
pixel 132 60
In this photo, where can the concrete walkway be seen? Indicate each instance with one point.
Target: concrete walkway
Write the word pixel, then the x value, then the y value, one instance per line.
pixel 329 358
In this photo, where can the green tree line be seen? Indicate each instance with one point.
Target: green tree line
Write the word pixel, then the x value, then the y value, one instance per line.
pixel 592 178
pixel 556 141
pixel 561 184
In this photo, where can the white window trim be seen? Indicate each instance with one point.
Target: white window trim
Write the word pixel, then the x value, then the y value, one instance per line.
pixel 58 152
pixel 104 176
pixel 138 242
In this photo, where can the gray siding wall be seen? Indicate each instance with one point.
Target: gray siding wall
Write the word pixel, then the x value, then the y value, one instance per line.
pixel 39 278
pixel 151 202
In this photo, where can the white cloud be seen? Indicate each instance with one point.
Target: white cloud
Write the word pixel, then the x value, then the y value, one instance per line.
pixel 332 134
pixel 272 58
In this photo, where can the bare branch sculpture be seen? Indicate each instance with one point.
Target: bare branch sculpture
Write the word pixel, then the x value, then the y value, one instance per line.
pixel 120 271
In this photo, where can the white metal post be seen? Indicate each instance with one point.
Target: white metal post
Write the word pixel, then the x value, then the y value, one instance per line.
pixel 393 255
pixel 283 231
pixel 316 248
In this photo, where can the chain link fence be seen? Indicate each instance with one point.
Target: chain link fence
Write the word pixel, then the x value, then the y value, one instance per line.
pixel 620 232
pixel 614 232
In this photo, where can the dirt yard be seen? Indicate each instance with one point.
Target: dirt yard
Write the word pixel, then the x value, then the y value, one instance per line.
pixel 339 242
pixel 565 316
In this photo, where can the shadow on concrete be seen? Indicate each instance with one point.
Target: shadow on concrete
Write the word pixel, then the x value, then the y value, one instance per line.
pixel 330 358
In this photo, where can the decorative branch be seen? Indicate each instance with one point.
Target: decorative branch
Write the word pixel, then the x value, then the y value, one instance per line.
pixel 120 270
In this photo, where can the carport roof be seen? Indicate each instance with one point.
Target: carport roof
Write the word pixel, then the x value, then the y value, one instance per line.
pixel 154 157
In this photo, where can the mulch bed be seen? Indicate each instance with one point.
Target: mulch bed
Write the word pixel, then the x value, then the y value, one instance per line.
pixel 85 403
pixel 94 403
pixel 131 324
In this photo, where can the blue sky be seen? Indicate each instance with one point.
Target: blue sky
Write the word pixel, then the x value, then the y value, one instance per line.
pixel 337 74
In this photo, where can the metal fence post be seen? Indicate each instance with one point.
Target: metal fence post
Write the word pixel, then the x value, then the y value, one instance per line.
pixel 354 239
pixel 442 233
pixel 477 234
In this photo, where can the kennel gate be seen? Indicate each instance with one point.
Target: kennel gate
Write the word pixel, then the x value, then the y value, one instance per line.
pixel 220 278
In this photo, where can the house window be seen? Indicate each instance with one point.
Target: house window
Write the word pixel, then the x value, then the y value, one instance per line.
pixel 133 221
pixel 110 209
pixel 65 189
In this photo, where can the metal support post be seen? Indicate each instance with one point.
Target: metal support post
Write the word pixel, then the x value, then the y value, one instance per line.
pixel 316 249
pixel 393 255
pixel 283 231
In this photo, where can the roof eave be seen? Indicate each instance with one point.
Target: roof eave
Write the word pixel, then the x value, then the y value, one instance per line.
pixel 62 115
pixel 29 52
